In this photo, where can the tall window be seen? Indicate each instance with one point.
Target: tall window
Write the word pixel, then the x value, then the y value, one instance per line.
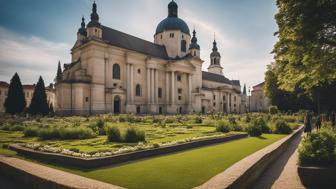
pixel 138 90
pixel 116 71
pixel 160 92
pixel 183 46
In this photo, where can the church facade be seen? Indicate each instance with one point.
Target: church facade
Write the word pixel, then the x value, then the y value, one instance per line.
pixel 113 72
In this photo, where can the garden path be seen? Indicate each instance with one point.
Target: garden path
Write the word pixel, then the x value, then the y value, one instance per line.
pixel 283 173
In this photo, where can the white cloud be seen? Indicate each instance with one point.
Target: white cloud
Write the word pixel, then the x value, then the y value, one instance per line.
pixel 30 56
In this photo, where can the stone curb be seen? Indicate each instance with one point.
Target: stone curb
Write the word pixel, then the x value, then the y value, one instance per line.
pixel 122 158
pixel 245 173
pixel 42 177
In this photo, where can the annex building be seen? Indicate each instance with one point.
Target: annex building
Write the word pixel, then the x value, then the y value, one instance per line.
pixel 113 72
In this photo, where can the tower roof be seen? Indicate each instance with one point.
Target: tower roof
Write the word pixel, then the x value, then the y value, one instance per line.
pixel 215 50
pixel 94 17
pixel 194 44
pixel 82 29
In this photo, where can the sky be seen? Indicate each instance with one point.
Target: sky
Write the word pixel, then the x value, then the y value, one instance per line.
pixel 36 34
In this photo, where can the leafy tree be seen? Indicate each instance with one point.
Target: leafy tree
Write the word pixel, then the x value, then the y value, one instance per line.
pixel 305 54
pixel 15 101
pixel 39 104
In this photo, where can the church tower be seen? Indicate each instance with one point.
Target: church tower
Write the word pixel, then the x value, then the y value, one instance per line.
pixel 81 34
pixel 94 28
pixel 215 66
pixel 194 47
pixel 173 33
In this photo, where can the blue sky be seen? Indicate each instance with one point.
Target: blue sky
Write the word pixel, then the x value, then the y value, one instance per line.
pixel 35 34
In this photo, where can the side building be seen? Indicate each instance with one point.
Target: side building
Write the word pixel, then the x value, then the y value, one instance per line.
pixel 259 102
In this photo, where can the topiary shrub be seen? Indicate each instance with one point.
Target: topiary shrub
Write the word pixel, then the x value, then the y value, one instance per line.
pixel 222 126
pixel 132 135
pixel 48 133
pixel 318 148
pixel 198 120
pixel 261 122
pixel 273 110
pixel 281 127
pixel 76 133
pixel 113 134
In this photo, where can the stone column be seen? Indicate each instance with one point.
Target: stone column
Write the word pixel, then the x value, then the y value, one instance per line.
pixel 156 86
pixel 132 84
pixel 189 89
pixel 148 86
pixel 172 88
pixel 152 86
pixel 128 95
pixel 167 88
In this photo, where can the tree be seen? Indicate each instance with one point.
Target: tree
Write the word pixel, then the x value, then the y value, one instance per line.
pixel 39 104
pixel 59 74
pixel 15 101
pixel 305 53
pixel 244 89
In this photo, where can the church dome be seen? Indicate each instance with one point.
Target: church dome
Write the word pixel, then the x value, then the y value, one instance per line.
pixel 172 22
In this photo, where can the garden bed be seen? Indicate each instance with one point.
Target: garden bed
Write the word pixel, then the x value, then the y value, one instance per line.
pixel 91 162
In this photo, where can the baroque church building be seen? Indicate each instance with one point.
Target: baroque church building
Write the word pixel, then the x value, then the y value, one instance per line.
pixel 113 72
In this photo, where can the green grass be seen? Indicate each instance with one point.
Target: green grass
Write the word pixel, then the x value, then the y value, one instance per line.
pixel 181 170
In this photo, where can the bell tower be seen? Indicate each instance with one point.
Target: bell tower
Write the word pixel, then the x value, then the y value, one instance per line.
pixel 215 66
pixel 94 27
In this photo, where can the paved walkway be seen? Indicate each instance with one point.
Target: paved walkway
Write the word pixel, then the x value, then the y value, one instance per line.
pixel 67 180
pixel 283 173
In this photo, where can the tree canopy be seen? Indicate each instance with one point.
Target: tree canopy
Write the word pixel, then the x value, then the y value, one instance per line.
pixel 305 54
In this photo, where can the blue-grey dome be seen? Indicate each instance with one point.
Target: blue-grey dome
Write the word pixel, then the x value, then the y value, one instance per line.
pixel 172 23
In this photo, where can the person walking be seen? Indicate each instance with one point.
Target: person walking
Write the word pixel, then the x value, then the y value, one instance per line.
pixel 318 123
pixel 307 123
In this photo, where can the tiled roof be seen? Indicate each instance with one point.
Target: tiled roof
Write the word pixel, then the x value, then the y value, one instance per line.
pixel 259 85
pixel 28 87
pixel 123 40
pixel 219 78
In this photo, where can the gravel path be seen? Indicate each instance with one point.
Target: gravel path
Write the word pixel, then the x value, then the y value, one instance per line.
pixel 283 173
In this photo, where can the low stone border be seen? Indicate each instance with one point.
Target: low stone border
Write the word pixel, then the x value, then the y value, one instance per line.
pixel 120 158
pixel 317 176
pixel 41 177
pixel 245 173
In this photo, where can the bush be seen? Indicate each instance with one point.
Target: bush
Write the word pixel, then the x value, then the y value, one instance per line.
pixel 281 127
pixel 76 133
pixel 113 134
pixel 222 126
pixel 255 128
pixel 273 110
pixel 237 127
pixel 30 132
pixel 48 133
pixel 318 148
pixel 198 120
pixel 133 135
pixel 263 125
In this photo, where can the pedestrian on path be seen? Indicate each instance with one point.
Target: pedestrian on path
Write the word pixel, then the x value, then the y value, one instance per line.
pixel 318 123
pixel 307 123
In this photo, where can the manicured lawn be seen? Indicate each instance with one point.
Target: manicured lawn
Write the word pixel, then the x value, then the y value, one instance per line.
pixel 181 170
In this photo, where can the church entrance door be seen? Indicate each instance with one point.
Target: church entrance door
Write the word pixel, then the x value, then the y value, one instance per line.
pixel 116 105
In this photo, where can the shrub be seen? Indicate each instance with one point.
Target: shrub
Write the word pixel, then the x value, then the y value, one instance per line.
pixel 232 120
pixel 198 120
pixel 74 150
pixel 76 133
pixel 189 127
pixel 133 135
pixel 255 128
pixel 101 127
pixel 273 110
pixel 222 126
pixel 48 133
pixel 30 132
pixel 281 127
pixel 113 134
pixel 237 127
pixel 318 148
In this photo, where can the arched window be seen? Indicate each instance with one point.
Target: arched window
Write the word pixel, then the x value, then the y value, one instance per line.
pixel 116 71
pixel 138 90
pixel 183 46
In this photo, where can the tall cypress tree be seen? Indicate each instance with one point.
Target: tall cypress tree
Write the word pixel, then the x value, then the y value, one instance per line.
pixel 15 101
pixel 39 104
pixel 59 73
